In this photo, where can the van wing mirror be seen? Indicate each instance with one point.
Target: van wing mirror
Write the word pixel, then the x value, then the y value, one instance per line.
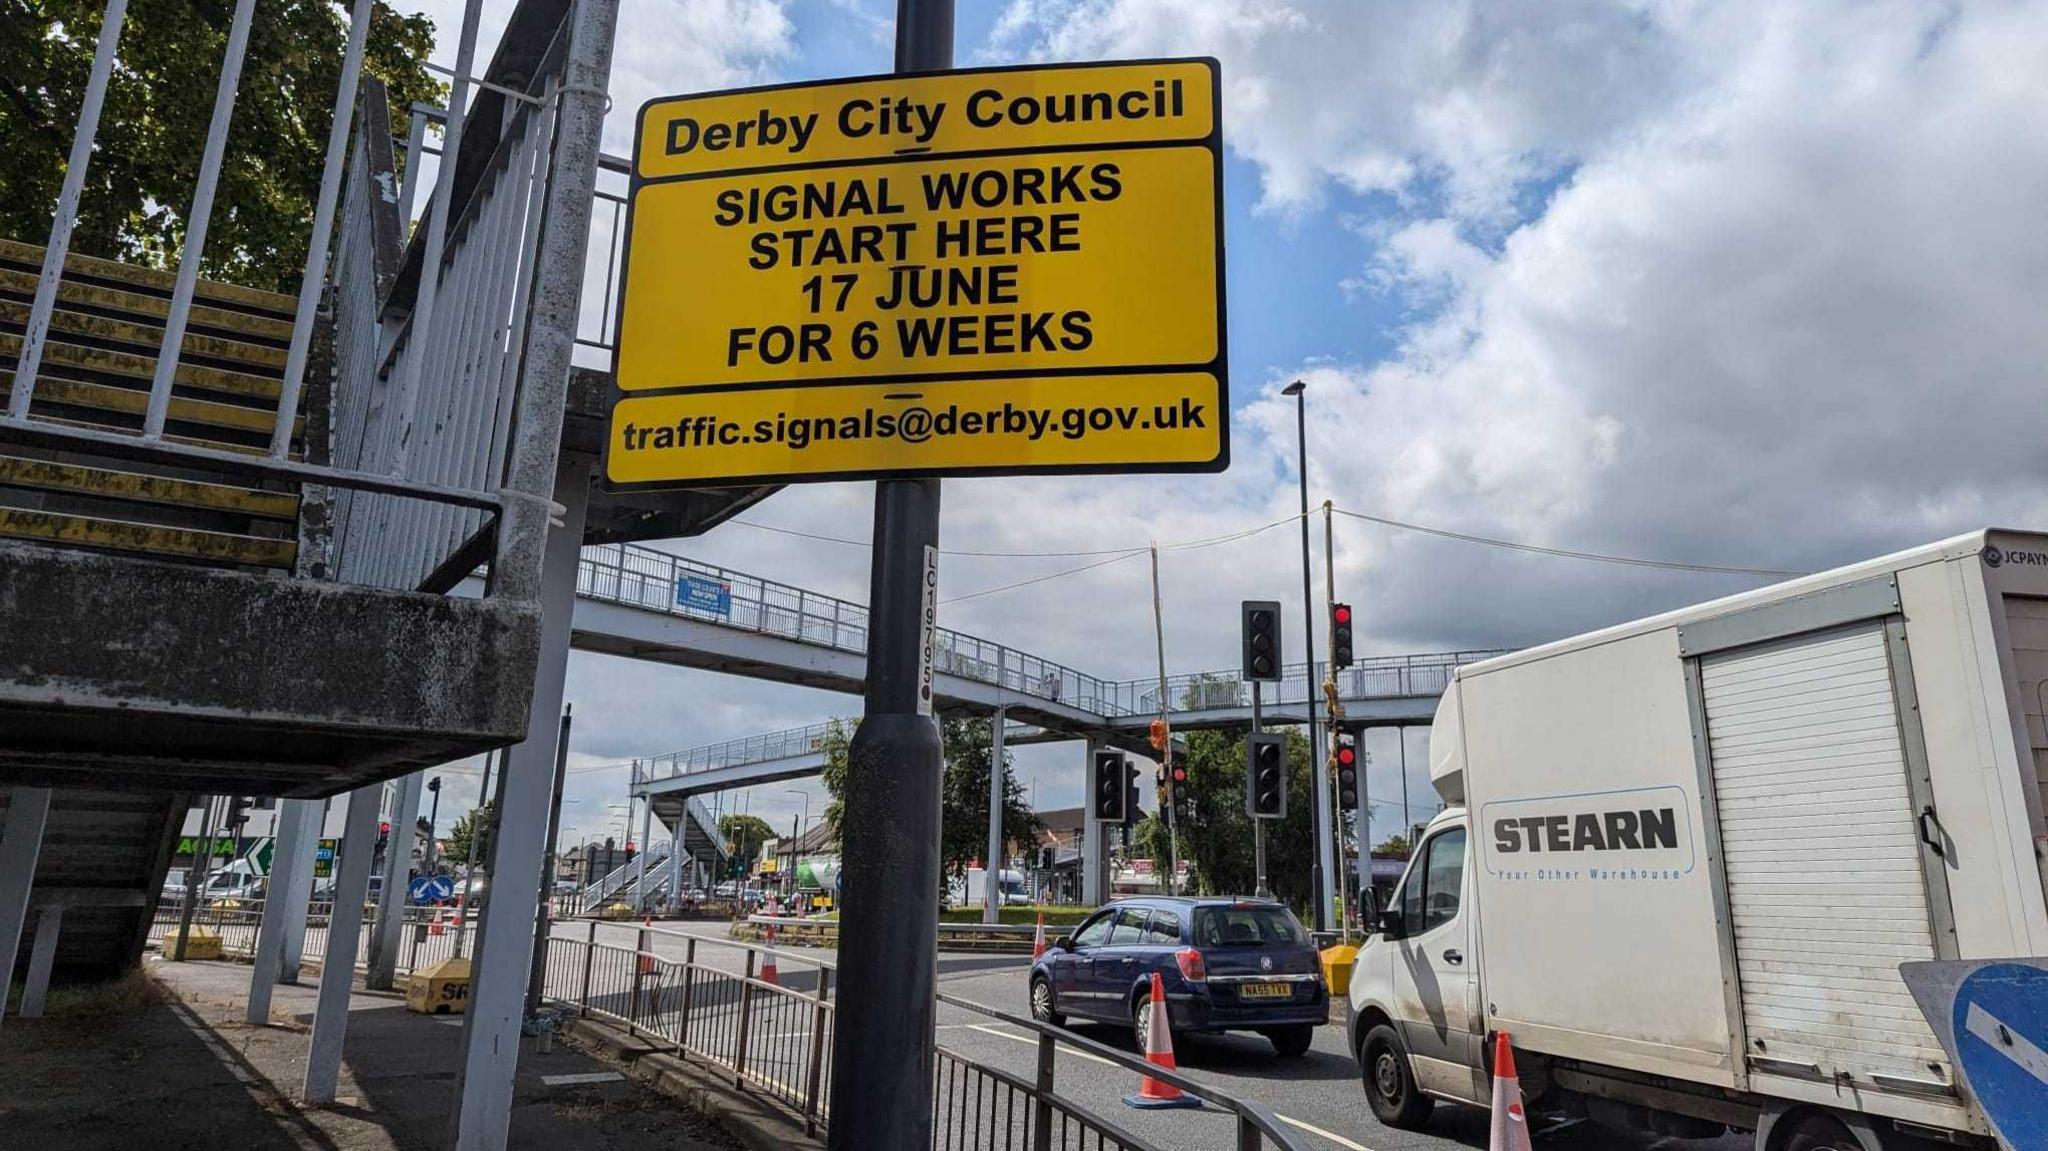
pixel 1392 926
pixel 1064 943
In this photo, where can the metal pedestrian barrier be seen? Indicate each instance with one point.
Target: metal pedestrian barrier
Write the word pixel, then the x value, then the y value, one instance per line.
pixel 763 1017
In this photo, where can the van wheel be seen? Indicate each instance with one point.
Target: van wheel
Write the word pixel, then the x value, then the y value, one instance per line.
pixel 1389 1084
pixel 1292 1042
pixel 1820 1133
pixel 1041 1003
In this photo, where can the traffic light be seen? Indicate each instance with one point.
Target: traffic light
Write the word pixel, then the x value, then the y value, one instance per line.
pixel 1181 794
pixel 1106 785
pixel 1131 807
pixel 1261 618
pixel 1265 787
pixel 1347 771
pixel 237 814
pixel 1340 635
pixel 1046 858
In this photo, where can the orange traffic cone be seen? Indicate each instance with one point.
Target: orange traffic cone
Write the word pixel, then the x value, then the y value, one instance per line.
pixel 1510 1125
pixel 646 956
pixel 1038 940
pixel 436 928
pixel 1152 1093
pixel 768 972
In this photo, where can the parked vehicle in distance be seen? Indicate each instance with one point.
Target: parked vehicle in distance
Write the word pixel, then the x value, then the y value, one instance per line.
pixel 1227 965
pixel 1685 857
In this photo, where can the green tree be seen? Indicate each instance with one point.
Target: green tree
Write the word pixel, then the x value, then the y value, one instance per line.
pixel 968 744
pixel 1393 847
pixel 153 127
pixel 745 834
pixel 963 811
pixel 466 828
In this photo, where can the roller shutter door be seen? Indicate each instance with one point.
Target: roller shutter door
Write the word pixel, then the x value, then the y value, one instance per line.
pixel 1822 855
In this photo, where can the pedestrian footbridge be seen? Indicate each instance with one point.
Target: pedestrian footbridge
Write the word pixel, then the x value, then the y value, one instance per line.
pixel 641 603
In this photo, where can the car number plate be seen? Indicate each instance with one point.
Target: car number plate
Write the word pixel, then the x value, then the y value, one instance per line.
pixel 1266 990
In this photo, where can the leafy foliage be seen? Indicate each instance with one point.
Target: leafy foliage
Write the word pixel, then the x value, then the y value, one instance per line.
pixel 465 828
pixel 1394 847
pixel 746 834
pixel 153 127
pixel 963 817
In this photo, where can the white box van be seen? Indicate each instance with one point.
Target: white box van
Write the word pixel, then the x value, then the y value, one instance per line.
pixel 1686 856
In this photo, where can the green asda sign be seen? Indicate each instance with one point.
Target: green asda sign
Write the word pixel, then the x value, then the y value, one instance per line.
pixel 222 845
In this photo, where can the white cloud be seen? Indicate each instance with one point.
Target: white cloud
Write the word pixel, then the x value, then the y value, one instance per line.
pixel 1780 305
pixel 1482 95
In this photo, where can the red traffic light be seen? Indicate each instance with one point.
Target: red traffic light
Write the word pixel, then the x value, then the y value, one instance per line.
pixel 1342 613
pixel 1180 774
pixel 1347 756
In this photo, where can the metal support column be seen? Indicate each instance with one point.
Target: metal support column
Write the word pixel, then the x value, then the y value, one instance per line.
pixel 344 931
pixel 991 911
pixel 29 360
pixel 888 963
pixel 882 1059
pixel 405 815
pixel 298 889
pixel 289 856
pixel 193 249
pixel 21 843
pixel 1094 841
pixel 537 973
pixel 48 925
pixel 504 944
pixel 646 852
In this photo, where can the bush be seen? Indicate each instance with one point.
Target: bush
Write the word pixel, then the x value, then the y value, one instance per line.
pixel 1057 915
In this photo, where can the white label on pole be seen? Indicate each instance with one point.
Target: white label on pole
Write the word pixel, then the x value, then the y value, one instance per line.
pixel 928 631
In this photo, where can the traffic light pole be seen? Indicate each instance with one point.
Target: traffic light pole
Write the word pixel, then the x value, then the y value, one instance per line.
pixel 889 922
pixel 1259 825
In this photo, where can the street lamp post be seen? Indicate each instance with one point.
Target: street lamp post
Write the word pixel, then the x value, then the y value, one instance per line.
pixel 433 822
pixel 1319 814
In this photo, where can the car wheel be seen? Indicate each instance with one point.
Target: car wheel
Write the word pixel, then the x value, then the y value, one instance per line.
pixel 1042 1005
pixel 1141 1021
pixel 1389 1083
pixel 1292 1042
pixel 1820 1133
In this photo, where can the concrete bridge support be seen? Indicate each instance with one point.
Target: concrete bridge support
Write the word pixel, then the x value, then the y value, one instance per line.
pixel 290 859
pixel 21 843
pixel 497 1001
pixel 344 932
pixel 405 811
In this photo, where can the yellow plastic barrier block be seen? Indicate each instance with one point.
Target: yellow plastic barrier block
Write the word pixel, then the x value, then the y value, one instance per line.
pixel 441 990
pixel 1337 964
pixel 202 944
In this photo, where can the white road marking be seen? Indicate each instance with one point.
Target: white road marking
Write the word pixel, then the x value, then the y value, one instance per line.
pixel 1312 1129
pixel 2007 1042
pixel 1030 1042
pixel 582 1077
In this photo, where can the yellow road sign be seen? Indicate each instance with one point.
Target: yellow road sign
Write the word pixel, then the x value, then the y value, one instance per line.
pixel 1027 261
pixel 1151 420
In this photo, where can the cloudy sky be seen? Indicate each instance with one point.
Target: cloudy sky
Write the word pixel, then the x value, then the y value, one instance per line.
pixel 1759 284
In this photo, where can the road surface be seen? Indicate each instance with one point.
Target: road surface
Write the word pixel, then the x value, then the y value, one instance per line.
pixel 1318 1095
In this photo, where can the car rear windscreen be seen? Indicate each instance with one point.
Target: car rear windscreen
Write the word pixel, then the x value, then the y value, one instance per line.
pixel 1245 927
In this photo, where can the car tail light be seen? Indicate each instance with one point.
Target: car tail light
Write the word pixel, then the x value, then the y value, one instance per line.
pixel 1192 968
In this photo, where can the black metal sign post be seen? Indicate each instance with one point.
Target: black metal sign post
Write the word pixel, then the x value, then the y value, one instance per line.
pixel 889 921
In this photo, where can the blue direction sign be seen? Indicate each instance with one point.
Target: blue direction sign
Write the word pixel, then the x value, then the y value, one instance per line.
pixel 1992 1016
pixel 2001 1027
pixel 704 594
pixel 432 889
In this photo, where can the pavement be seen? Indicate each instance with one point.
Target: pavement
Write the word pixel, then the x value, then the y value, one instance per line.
pixel 1319 1095
pixel 164 1062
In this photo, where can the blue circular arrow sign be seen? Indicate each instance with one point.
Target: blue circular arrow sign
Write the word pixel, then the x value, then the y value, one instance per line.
pixel 2001 1029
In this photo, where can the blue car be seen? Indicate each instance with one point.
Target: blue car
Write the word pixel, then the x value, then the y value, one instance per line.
pixel 1227 965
